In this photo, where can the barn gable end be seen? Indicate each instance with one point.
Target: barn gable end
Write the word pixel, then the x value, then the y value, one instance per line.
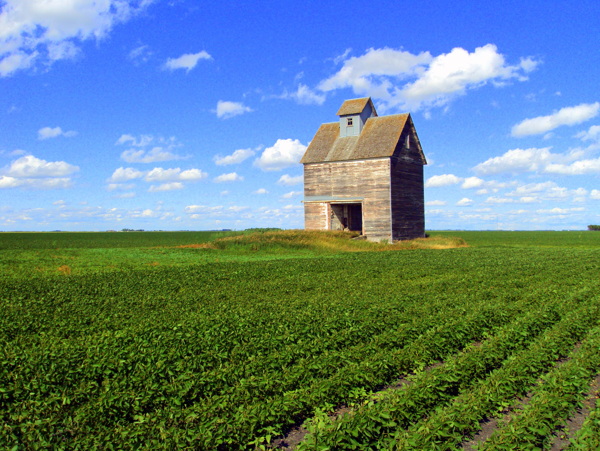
pixel 368 179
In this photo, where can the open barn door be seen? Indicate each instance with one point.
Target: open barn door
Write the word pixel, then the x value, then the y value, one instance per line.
pixel 346 217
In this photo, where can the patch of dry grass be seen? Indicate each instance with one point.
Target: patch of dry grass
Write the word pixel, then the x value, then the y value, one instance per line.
pixel 320 241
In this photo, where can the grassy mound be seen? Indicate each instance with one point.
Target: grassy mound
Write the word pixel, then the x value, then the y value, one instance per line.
pixel 321 242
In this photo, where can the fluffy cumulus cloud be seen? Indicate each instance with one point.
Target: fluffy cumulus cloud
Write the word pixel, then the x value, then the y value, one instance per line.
pixel 226 109
pixel 236 157
pixel 442 180
pixel 565 116
pixel 54 132
pixel 400 79
pixel 122 174
pixel 472 182
pixel 516 160
pixel 465 202
pixel 539 160
pixel 283 154
pixel 595 194
pixel 187 61
pixel 161 179
pixel 32 172
pixel 288 180
pixel 230 177
pixel 174 174
pixel 593 134
pixel 548 191
pixel 581 167
pixel 33 31
pixel 149 149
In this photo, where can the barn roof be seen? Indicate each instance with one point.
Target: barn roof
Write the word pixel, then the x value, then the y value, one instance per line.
pixel 355 106
pixel 379 138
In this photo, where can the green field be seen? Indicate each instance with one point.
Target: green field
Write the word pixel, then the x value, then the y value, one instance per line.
pixel 172 340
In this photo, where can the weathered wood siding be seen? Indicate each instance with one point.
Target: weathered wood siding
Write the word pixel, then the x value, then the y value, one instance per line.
pixel 407 197
pixel 315 216
pixel 366 179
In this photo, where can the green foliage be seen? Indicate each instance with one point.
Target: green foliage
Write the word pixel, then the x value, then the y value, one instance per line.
pixel 232 354
pixel 594 227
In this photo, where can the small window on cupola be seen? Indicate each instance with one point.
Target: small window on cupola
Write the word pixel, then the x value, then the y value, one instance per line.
pixel 349 123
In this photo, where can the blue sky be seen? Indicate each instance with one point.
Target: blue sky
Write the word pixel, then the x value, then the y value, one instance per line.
pixel 186 115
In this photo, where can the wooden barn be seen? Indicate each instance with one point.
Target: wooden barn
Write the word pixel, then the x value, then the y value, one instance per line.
pixel 365 173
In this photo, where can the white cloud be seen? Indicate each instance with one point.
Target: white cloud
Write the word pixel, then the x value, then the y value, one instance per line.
pixel 453 73
pixel 283 154
pixel 128 195
pixel 305 96
pixel 565 116
pixel 230 177
pixel 369 73
pixel 472 182
pixel 464 202
pixel 595 194
pixel 174 175
pixel 49 132
pixel 166 187
pixel 204 209
pixel 593 134
pixel 442 180
pixel 288 180
pixel 435 203
pixel 227 110
pixel 292 194
pixel 30 166
pixel 32 172
pixel 533 188
pixel 540 160
pixel 141 153
pixel 140 54
pixel 35 183
pixel 153 155
pixel 499 200
pixel 142 141
pixel 516 160
pixel 33 31
pixel 547 191
pixel 261 191
pixel 576 168
pixel 236 157
pixel 187 61
pixel 125 174
pixel 120 186
pixel 384 74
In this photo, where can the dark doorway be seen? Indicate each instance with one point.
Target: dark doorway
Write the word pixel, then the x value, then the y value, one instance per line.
pixel 346 217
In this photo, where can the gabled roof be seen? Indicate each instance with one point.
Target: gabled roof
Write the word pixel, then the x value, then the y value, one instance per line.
pixel 355 106
pixel 379 138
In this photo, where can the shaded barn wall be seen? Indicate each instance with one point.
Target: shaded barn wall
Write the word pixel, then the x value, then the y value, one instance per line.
pixel 407 193
pixel 359 179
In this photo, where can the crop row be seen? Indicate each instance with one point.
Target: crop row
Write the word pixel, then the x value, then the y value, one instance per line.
pixel 552 401
pixel 397 409
pixel 230 354
pixel 449 426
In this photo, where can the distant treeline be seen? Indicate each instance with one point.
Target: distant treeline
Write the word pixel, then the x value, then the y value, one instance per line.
pixel 594 227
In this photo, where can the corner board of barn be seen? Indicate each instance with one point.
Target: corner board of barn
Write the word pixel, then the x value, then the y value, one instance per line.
pixel 365 173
